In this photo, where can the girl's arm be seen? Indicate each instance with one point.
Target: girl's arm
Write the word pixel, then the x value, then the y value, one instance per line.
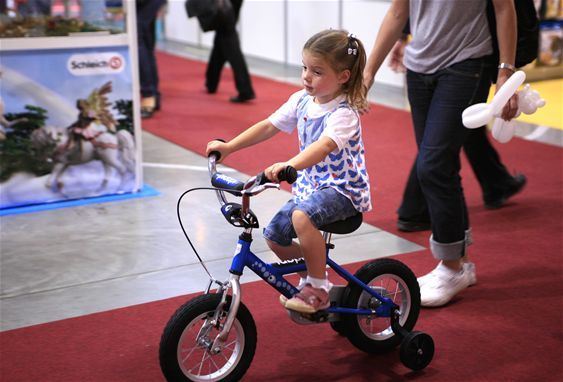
pixel 255 134
pixel 389 32
pixel 505 16
pixel 312 155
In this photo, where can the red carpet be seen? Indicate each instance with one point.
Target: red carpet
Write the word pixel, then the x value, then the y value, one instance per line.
pixel 507 328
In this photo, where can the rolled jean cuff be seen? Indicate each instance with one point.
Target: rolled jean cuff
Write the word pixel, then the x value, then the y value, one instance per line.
pixel 447 251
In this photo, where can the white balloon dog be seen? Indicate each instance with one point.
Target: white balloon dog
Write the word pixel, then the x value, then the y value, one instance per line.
pixel 480 114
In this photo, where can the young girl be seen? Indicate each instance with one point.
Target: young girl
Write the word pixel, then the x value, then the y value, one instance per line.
pixel 333 183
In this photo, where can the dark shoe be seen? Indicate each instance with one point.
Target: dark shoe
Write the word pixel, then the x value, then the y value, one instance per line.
pixel 157 103
pixel 147 112
pixel 412 226
pixel 241 99
pixel 518 183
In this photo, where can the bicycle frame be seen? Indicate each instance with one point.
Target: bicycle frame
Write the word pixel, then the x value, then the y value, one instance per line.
pixel 273 275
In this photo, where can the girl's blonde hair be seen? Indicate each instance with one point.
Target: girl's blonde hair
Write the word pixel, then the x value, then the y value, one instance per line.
pixel 343 51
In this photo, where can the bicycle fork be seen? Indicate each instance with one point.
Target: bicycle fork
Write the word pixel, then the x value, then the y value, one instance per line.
pixel 219 341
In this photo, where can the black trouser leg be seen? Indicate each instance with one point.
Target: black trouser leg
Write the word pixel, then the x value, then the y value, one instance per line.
pixel 413 206
pixel 231 48
pixel 492 175
pixel 215 64
pixel 146 35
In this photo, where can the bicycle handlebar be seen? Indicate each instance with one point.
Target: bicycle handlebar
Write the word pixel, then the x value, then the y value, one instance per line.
pixel 252 185
pixel 288 174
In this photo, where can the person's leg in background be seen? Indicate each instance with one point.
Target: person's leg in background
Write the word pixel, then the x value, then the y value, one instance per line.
pixel 233 53
pixel 153 65
pixel 497 184
pixel 438 167
pixel 413 211
pixel 236 59
pixel 226 48
pixel 146 16
pixel 215 64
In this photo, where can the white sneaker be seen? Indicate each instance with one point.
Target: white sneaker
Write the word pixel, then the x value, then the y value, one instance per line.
pixel 438 287
pixel 467 267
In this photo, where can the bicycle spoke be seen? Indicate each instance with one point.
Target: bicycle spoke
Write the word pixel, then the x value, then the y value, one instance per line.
pixel 216 367
pixel 189 354
pixel 234 342
pixel 200 364
pixel 224 356
pixel 387 284
pixel 396 291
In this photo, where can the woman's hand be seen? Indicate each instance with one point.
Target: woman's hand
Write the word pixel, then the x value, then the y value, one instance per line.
pixel 273 171
pixel 222 147
pixel 511 108
pixel 368 83
pixel 396 56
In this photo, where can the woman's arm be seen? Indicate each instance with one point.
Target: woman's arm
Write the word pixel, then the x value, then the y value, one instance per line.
pixel 389 32
pixel 255 134
pixel 505 16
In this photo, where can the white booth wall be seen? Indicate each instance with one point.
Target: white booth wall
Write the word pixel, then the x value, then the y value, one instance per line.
pixel 276 30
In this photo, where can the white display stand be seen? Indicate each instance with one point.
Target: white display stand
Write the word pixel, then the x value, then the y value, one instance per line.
pixel 85 62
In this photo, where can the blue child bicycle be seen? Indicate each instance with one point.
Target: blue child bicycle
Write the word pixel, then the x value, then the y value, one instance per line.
pixel 213 336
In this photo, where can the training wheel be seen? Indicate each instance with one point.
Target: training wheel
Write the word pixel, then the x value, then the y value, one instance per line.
pixel 417 350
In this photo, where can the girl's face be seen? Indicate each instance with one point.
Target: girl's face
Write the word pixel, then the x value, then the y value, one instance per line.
pixel 320 80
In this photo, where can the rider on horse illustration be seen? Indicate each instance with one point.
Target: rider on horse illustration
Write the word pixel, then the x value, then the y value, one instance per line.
pixel 94 117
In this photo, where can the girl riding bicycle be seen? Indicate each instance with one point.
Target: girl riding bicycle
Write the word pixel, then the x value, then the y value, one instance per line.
pixel 333 183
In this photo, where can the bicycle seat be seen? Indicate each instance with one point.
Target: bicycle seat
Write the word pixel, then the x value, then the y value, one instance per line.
pixel 345 226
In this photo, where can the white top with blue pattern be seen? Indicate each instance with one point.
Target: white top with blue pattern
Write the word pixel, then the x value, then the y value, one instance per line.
pixel 344 169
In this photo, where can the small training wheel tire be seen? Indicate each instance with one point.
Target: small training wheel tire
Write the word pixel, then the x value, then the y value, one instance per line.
pixel 417 350
pixel 339 327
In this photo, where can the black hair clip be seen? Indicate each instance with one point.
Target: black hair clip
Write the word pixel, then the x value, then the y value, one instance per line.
pixel 351 48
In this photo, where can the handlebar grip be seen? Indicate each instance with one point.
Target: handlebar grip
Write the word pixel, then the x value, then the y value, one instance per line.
pixel 288 174
pixel 217 154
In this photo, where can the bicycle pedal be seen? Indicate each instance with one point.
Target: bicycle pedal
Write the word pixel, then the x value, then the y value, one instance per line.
pixel 319 316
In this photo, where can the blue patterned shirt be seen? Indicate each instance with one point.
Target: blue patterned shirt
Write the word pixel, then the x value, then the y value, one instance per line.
pixel 344 169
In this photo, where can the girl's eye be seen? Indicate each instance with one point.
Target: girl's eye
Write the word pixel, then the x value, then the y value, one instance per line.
pixel 317 73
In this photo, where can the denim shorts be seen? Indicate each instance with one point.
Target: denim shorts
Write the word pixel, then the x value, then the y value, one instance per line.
pixel 323 207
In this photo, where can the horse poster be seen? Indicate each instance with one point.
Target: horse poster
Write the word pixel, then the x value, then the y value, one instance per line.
pixel 66 125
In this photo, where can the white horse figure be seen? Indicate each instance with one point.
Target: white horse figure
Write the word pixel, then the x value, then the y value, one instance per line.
pixel 114 150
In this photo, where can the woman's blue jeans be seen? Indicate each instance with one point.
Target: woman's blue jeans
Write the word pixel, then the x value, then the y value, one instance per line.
pixel 437 101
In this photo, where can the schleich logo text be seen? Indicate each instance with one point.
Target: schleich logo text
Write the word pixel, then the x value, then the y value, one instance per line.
pixel 95 63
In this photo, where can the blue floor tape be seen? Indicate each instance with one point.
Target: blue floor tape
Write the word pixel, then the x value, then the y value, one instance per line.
pixel 145 191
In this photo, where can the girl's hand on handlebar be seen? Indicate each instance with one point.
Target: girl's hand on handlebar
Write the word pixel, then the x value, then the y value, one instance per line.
pixel 221 147
pixel 273 171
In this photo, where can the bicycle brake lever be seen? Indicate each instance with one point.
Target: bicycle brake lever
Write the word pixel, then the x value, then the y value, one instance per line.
pixel 255 190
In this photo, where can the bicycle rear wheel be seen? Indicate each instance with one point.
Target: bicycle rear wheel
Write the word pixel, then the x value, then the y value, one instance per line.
pixel 392 279
pixel 185 343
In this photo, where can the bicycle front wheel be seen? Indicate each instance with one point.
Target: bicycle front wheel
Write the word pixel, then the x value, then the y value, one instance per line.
pixel 185 353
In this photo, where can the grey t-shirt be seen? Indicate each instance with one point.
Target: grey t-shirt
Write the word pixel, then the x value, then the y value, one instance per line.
pixel 445 32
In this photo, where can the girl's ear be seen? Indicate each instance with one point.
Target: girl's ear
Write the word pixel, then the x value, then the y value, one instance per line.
pixel 344 76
